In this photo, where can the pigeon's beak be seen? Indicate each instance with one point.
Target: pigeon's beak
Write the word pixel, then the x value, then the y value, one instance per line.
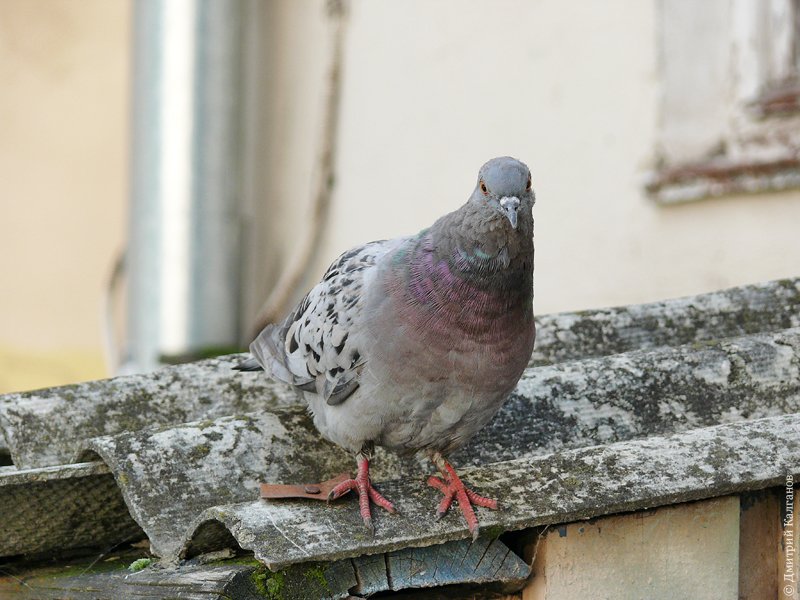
pixel 510 204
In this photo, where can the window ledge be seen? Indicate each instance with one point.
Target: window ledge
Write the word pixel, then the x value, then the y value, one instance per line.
pixel 696 181
pixel 781 101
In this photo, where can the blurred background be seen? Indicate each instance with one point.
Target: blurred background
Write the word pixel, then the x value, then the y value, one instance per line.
pixel 176 173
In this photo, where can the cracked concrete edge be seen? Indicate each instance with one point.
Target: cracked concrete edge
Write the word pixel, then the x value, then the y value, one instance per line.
pixel 13 476
pixel 556 488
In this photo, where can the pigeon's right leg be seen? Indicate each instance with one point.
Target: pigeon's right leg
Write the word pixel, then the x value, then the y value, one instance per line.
pixel 365 491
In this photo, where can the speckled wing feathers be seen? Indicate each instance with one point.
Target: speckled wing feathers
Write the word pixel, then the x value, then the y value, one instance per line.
pixel 316 348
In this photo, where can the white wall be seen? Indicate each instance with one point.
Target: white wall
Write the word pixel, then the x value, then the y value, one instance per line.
pixel 434 88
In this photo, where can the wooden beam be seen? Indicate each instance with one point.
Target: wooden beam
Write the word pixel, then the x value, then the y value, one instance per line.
pixel 759 544
pixel 682 551
pixel 487 561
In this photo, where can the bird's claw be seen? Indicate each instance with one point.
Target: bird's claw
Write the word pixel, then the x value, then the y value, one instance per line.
pixel 476 532
pixel 341 489
pixel 454 489
pixel 366 494
pixel 370 527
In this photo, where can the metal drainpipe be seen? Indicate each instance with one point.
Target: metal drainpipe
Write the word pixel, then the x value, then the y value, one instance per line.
pixel 184 237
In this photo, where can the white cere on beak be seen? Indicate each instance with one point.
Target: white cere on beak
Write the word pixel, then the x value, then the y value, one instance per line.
pixel 510 204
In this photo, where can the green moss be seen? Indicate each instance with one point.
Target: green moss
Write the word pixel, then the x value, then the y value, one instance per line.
pixel 269 584
pixel 695 471
pixel 493 532
pixel 235 387
pixel 199 451
pixel 140 564
pixel 316 576
pixel 703 344
pixel 571 481
pixel 251 426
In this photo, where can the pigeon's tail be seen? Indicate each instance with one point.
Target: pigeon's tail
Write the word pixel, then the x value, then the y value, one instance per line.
pixel 251 364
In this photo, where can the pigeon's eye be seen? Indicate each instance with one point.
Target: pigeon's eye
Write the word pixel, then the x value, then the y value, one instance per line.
pixel 484 189
pixel 528 186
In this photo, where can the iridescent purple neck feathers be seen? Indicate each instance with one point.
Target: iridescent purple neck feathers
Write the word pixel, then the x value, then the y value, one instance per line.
pixel 466 275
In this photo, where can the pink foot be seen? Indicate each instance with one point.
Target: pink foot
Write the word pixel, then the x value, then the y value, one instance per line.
pixel 453 488
pixel 365 493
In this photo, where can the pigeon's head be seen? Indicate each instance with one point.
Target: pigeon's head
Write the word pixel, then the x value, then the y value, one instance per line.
pixel 504 186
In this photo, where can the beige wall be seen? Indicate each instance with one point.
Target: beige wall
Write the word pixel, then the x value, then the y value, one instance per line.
pixel 63 112
pixel 431 90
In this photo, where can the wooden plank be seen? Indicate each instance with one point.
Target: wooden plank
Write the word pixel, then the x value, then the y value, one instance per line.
pixel 487 561
pixel 107 577
pixel 683 551
pixel 322 580
pixel 759 544
pixel 484 561
pixel 372 574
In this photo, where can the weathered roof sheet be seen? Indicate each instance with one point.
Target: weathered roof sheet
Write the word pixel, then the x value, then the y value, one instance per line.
pixel 733 312
pixel 185 447
pixel 555 488
pixel 65 506
pixel 46 427
pixel 170 475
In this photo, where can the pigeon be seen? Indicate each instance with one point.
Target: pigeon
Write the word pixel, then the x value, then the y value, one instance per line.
pixel 414 343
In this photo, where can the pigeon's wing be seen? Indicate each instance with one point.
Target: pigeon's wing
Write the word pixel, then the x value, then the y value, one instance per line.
pixel 316 348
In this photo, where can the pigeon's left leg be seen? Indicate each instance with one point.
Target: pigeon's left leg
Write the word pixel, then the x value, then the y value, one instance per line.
pixel 366 492
pixel 452 488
